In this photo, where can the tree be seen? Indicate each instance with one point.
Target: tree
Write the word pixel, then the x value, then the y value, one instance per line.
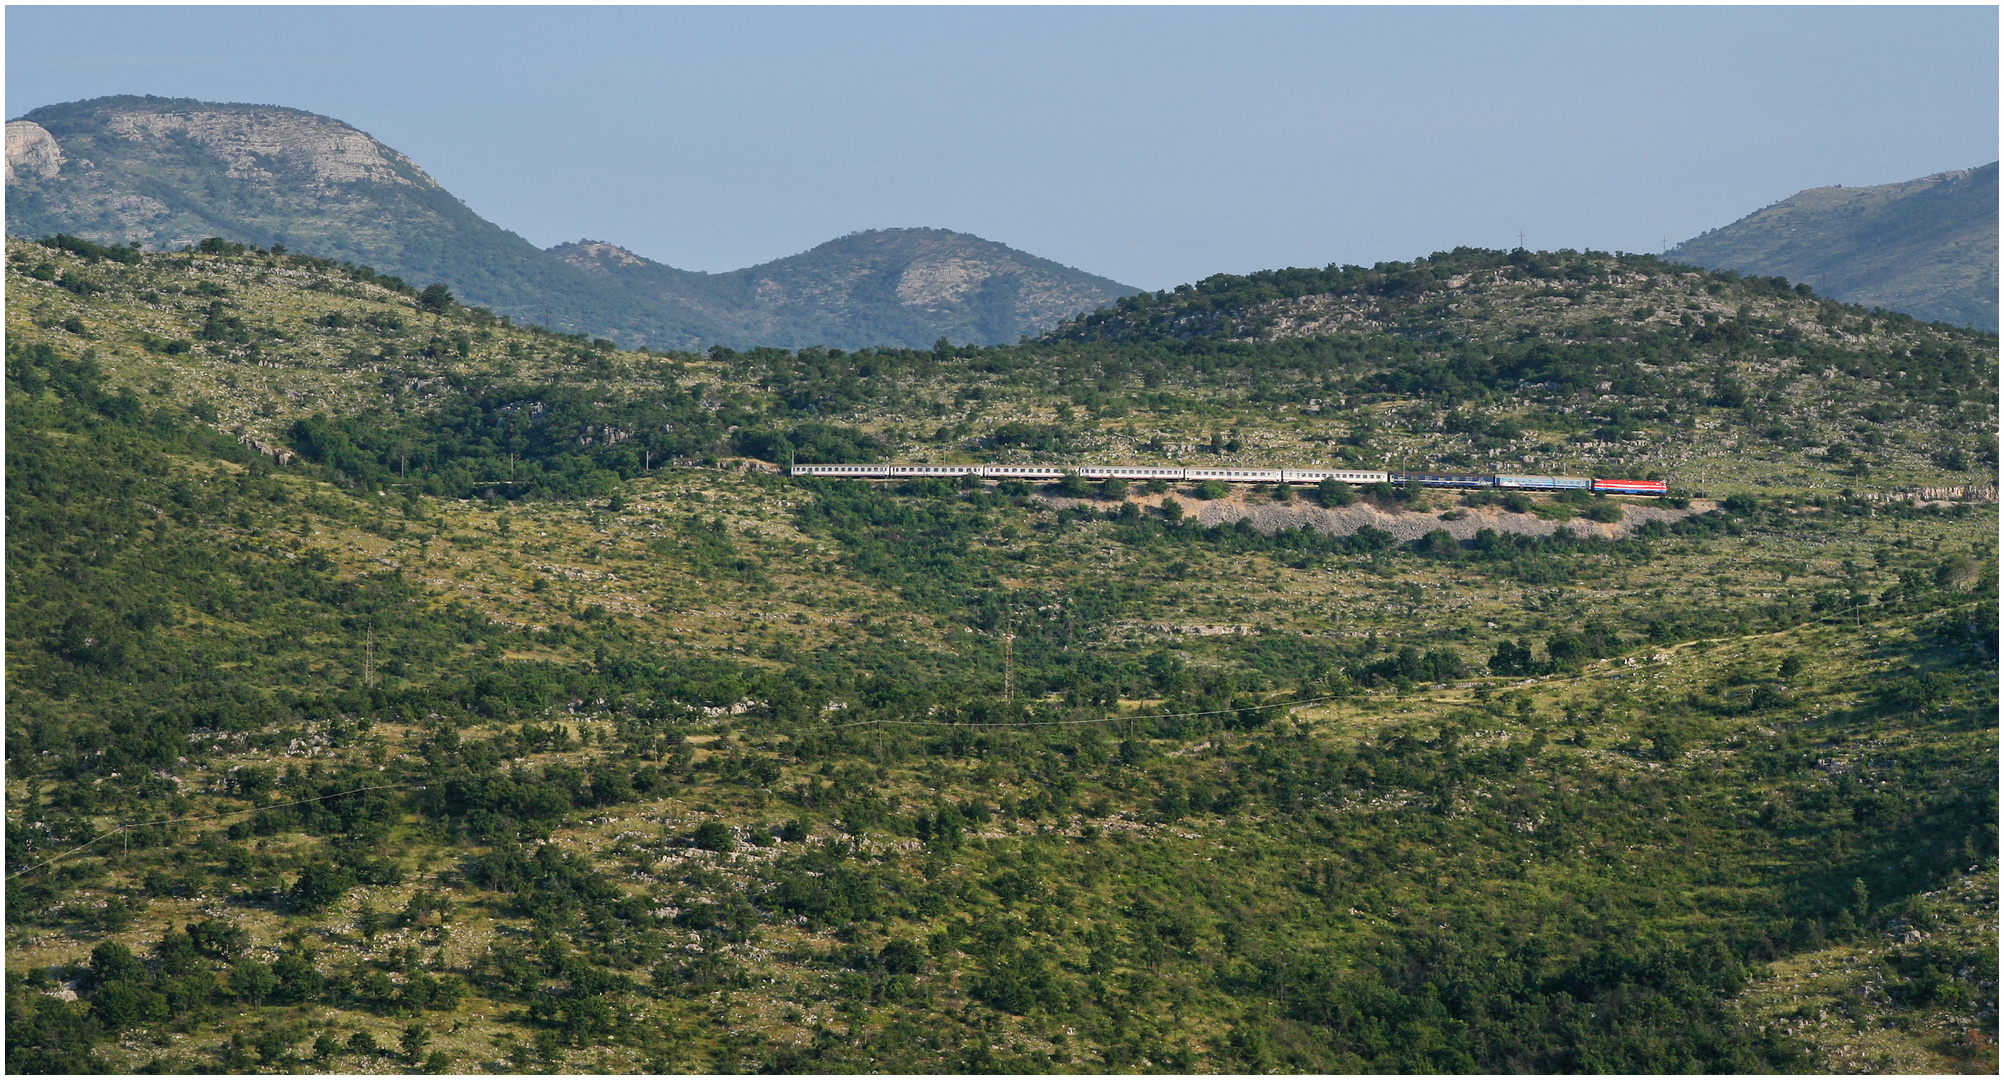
pixel 1407 663
pixel 252 981
pixel 1172 510
pixel 901 957
pixel 714 836
pixel 1511 658
pixel 413 1041
pixel 1211 489
pixel 1334 493
pixel 1566 646
pixel 1073 486
pixel 1443 665
pixel 1113 488
pixel 298 979
pixel 217 937
pixel 320 886
pixel 113 961
pixel 436 299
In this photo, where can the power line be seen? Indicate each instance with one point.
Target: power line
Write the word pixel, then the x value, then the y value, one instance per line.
pixel 206 817
pixel 1856 614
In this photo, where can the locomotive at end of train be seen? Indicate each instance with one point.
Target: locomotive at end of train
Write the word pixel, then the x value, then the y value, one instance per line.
pixel 1237 476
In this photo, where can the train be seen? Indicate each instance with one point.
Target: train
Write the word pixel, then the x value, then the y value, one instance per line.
pixel 1239 476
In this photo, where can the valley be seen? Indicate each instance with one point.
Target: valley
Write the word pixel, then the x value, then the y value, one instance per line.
pixel 395 687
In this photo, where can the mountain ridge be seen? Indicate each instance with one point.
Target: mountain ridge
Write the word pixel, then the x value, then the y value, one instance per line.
pixel 910 281
pixel 169 172
pixel 1927 247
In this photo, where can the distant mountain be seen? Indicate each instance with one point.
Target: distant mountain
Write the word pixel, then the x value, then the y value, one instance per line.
pixel 167 171
pixel 909 286
pixel 171 171
pixel 1927 247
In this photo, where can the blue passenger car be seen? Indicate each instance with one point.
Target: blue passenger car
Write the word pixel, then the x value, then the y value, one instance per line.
pixel 1546 483
pixel 1458 480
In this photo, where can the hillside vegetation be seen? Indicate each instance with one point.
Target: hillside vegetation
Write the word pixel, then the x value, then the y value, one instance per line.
pixel 393 687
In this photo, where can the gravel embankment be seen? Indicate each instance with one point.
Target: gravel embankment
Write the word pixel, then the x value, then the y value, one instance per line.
pixel 1271 517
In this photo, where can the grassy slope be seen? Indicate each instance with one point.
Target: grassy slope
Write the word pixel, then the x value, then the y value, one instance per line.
pixel 1106 916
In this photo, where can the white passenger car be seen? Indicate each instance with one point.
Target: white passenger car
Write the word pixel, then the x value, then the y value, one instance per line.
pixel 1316 476
pixel 1233 476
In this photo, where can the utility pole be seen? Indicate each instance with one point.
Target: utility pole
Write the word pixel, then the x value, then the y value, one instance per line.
pixel 369 662
pixel 1008 667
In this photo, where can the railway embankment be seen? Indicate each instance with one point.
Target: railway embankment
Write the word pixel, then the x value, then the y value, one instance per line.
pixel 1462 523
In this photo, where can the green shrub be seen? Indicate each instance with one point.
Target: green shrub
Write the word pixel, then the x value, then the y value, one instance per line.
pixel 1606 511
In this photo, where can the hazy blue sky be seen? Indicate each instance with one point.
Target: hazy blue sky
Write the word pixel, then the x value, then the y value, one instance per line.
pixel 1152 145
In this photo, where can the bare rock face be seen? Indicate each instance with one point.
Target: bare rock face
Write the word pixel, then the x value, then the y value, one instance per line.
pixel 32 152
pixel 596 256
pixel 254 141
pixel 171 171
pixel 932 281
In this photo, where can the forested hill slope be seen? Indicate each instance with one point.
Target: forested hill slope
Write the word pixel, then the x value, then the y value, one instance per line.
pixel 395 688
pixel 171 172
pixel 879 287
pixel 1927 247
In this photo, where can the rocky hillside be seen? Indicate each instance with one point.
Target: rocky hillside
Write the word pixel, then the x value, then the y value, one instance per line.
pixel 1927 247
pixel 905 286
pixel 169 172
